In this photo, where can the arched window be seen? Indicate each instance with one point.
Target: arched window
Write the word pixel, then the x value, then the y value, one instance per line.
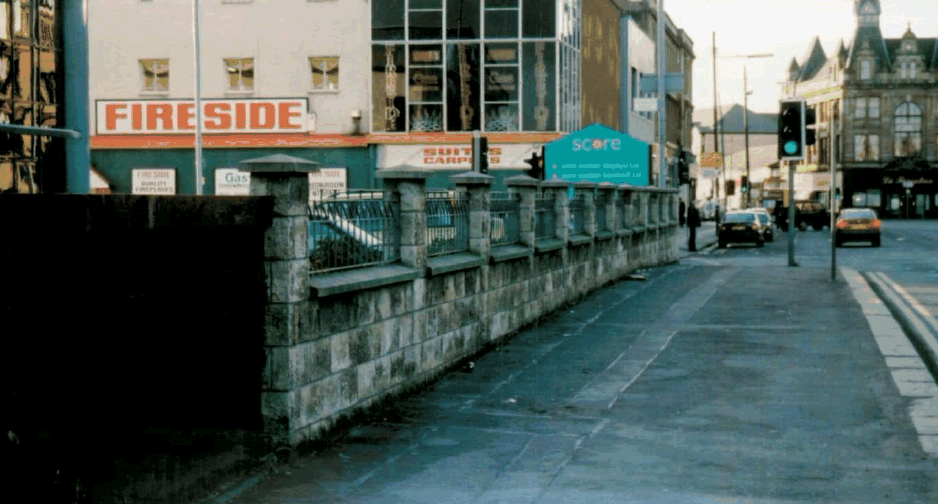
pixel 908 129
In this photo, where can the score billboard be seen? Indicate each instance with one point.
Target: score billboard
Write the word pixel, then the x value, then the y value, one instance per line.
pixel 598 154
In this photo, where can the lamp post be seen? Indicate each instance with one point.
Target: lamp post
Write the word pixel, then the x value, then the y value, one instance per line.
pixel 198 99
pixel 746 93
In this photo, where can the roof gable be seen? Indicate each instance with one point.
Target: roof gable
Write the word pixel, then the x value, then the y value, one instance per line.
pixel 813 60
pixel 874 37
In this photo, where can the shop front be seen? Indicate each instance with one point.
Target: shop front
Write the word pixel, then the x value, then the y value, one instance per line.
pixel 897 192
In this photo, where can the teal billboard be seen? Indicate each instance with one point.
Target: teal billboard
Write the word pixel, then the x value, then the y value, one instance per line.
pixel 598 154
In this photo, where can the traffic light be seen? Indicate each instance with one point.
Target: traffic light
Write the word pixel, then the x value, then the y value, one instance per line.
pixel 537 165
pixel 483 155
pixel 683 167
pixel 744 184
pixel 791 138
pixel 730 187
pixel 810 118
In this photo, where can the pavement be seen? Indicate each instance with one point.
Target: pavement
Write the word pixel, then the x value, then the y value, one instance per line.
pixel 706 237
pixel 702 384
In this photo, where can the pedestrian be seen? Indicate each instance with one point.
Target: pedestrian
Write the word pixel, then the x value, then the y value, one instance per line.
pixel 680 212
pixel 693 220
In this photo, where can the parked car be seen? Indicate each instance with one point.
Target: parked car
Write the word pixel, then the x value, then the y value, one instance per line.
pixel 811 213
pixel 858 224
pixel 740 226
pixel 768 229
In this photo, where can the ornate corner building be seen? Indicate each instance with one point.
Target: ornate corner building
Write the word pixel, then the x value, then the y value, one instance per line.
pixel 885 92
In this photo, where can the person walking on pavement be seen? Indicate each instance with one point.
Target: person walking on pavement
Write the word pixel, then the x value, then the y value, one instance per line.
pixel 680 212
pixel 693 220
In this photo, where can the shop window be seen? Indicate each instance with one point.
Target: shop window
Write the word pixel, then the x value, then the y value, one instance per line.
pixel 48 76
pixel 388 101
pixel 21 18
pixel 500 88
pixel 462 19
pixel 874 198
pixel 387 20
pixel 325 72
pixel 539 18
pixel 240 73
pixel 425 19
pixel 463 70
pixel 155 74
pixel 539 112
pixel 426 88
pixel 908 129
pixel 501 19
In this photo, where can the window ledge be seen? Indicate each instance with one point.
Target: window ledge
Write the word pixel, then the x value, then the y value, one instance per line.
pixel 579 239
pixel 624 232
pixel 638 229
pixel 323 91
pixel 604 235
pixel 509 252
pixel 234 92
pixel 453 262
pixel 155 94
pixel 545 245
pixel 330 284
pixel 652 227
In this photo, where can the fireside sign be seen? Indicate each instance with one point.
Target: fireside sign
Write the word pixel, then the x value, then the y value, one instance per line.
pixel 218 116
pixel 598 154
pixel 153 181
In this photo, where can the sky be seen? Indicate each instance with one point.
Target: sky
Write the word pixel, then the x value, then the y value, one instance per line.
pixel 784 28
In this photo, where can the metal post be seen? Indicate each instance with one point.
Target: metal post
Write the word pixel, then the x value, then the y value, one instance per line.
pixel 746 129
pixel 791 214
pixel 77 149
pixel 662 113
pixel 716 135
pixel 476 136
pixel 833 198
pixel 198 99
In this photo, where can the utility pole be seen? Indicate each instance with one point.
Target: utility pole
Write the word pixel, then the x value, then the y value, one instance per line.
pixel 198 99
pixel 716 134
pixel 834 141
pixel 791 214
pixel 662 115
pixel 746 94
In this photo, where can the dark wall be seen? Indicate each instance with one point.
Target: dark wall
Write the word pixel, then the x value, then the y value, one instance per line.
pixel 124 316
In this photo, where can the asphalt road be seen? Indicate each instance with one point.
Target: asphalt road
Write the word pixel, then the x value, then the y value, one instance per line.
pixel 727 378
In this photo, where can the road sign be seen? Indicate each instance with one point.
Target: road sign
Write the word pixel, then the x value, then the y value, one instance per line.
pixel 709 173
pixel 673 81
pixel 711 160
pixel 646 104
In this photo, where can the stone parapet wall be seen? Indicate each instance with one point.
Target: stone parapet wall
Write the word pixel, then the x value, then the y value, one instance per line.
pixel 367 335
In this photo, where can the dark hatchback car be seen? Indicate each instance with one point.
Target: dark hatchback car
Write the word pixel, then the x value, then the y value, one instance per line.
pixel 740 226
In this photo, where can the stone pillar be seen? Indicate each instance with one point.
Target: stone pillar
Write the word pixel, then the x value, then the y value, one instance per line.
pixel 477 187
pixel 408 190
pixel 525 187
pixel 286 271
pixel 607 191
pixel 586 191
pixel 561 191
pixel 623 191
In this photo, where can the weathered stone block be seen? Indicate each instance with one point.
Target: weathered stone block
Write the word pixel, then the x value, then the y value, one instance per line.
pixel 421 325
pixel 382 374
pixel 406 329
pixel 449 288
pixel 279 370
pixel 413 196
pixel 319 400
pixel 286 323
pixel 281 412
pixel 383 303
pixel 364 344
pixel 402 369
pixel 348 388
pixel 291 193
pixel 414 256
pixel 336 314
pixel 453 345
pixel 287 238
pixel 387 334
pixel 419 294
pixel 366 378
pixel 339 345
pixel 413 228
pixel 431 353
pixel 400 299
pixel 436 291
pixel 287 281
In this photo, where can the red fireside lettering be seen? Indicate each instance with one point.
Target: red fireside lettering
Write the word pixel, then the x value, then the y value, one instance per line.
pixel 286 114
pixel 161 111
pixel 184 113
pixel 240 116
pixel 136 113
pixel 218 120
pixel 111 115
pixel 268 114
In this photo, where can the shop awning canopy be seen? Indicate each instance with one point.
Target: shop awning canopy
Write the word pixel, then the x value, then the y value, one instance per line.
pixel 276 163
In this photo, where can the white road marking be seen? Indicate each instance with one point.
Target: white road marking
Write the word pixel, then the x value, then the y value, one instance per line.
pixel 909 373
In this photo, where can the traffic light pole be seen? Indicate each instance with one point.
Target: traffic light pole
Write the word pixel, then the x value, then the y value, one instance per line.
pixel 748 199
pixel 791 214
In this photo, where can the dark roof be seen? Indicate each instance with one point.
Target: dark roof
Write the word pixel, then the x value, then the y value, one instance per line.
pixel 874 36
pixel 812 61
pixel 732 121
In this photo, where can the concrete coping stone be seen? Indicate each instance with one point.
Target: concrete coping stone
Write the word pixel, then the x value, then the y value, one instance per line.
pixel 604 235
pixel 638 228
pixel 545 245
pixel 555 183
pixel 653 227
pixel 584 184
pixel 624 232
pixel 330 284
pixel 472 179
pixel 606 185
pixel 449 263
pixel 508 252
pixel 580 239
pixel 404 174
pixel 522 181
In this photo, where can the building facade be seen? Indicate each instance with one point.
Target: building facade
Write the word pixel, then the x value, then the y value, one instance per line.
pixel 355 86
pixel 876 101
pixel 31 94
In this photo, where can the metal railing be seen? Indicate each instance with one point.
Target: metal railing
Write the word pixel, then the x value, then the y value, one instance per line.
pixel 505 228
pixel 353 229
pixel 447 218
pixel 577 215
pixel 545 225
pixel 600 206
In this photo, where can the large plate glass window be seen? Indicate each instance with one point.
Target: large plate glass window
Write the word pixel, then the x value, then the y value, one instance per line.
pixel 908 128
pixel 426 87
pixel 425 18
pixel 389 79
pixel 540 80
pixel 462 19
pixel 539 18
pixel 501 19
pixel 387 19
pixel 463 69
pixel 501 87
